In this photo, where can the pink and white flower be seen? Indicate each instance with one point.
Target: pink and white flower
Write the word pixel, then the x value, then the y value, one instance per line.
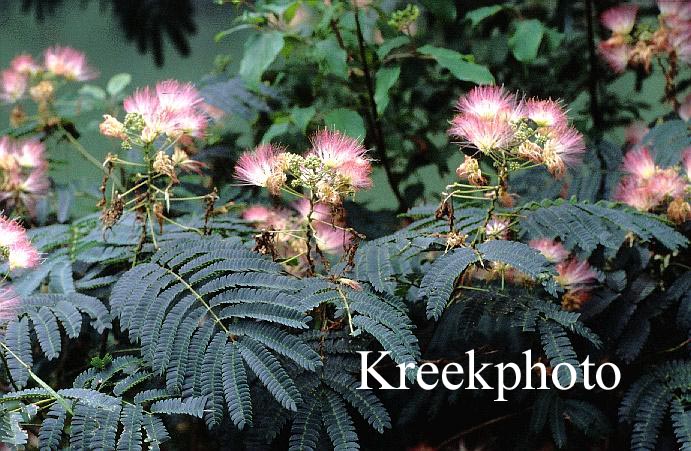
pixel 639 163
pixel 667 183
pixel 13 85
pixel 565 147
pixel 631 192
pixel 484 134
pixel 615 54
pixel 345 155
pixel 488 102
pixel 331 239
pixel 546 113
pixel 19 251
pixel 262 167
pixel 172 108
pixel 575 274
pixel 686 161
pixel 620 19
pixel 31 154
pixel 69 63
pixel 9 303
pixel 553 251
pixel 497 228
pixel 25 64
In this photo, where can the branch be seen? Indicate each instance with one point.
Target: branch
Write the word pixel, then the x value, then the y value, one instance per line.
pixel 375 123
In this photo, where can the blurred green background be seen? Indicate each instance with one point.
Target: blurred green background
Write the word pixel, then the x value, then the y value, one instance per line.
pixel 92 27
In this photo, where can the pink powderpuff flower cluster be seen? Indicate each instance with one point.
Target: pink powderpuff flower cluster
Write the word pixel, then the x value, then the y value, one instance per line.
pixel 9 303
pixel 577 277
pixel 624 48
pixel 23 173
pixel 286 226
pixel 532 131
pixel 170 109
pixel 15 245
pixel 58 62
pixel 647 186
pixel 335 166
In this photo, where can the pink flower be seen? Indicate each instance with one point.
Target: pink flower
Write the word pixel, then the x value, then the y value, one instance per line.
pixel 680 40
pixel 565 147
pixel 331 239
pixel 553 251
pixel 497 228
pixel 685 108
pixel 575 274
pixel 636 194
pixel 635 132
pixel 11 233
pixel 9 303
pixel 25 64
pixel 262 167
pixel 13 238
pixel 345 155
pixel 256 213
pixel 320 212
pixel 31 154
pixel 172 108
pixel 615 54
pixel 488 102
pixel 176 96
pixel 13 85
pixel 686 160
pixel 679 8
pixel 485 134
pixel 639 163
pixel 546 113
pixel 667 183
pixel 620 19
pixel 69 63
pixel 23 255
pixel 334 148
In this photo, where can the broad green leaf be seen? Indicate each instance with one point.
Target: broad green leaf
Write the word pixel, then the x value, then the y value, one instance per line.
pixel 456 63
pixel 93 91
pixel 478 15
pixel 302 117
pixel 346 121
pixel 525 41
pixel 117 83
pixel 333 57
pixel 276 129
pixel 386 77
pixel 260 51
pixel 391 44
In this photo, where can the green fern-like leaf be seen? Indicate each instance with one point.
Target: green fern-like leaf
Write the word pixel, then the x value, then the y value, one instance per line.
pixel 338 423
pixel 438 282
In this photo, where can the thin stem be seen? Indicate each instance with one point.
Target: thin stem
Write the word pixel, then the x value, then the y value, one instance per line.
pixel 392 178
pixel 203 302
pixel 38 380
pixel 85 153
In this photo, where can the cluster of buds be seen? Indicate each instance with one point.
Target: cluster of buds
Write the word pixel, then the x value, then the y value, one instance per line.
pixel 576 277
pixel 517 133
pixel 336 166
pixel 404 19
pixel 647 186
pixel 286 228
pixel 172 111
pixel 636 46
pixel 23 174
pixel 15 246
pixel 26 76
pixel 171 165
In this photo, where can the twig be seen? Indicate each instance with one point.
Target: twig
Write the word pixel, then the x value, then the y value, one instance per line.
pixel 374 118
